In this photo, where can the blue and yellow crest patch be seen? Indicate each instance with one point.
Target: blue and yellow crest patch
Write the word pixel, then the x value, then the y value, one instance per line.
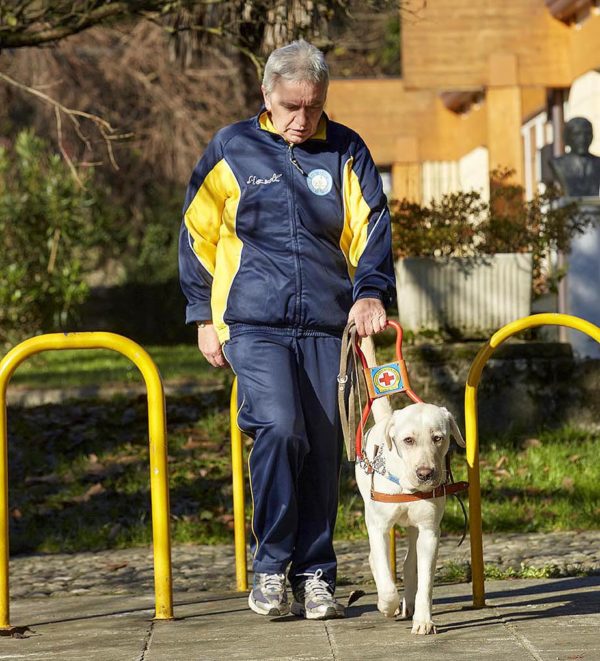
pixel 319 181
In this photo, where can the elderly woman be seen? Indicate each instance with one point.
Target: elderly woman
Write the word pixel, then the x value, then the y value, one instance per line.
pixel 285 238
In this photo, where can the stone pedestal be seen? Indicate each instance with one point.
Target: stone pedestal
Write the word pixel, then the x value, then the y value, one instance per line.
pixel 583 280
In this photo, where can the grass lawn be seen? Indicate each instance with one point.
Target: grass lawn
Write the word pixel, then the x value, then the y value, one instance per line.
pixel 79 476
pixel 82 367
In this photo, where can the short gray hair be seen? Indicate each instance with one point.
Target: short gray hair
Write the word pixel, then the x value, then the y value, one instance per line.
pixel 298 61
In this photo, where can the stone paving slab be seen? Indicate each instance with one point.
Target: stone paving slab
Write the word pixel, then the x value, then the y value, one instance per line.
pixel 75 628
pixel 545 620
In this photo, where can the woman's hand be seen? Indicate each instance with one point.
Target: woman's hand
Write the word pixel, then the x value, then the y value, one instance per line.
pixel 369 316
pixel 210 346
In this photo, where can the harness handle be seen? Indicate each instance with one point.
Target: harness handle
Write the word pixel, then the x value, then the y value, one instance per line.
pixel 383 380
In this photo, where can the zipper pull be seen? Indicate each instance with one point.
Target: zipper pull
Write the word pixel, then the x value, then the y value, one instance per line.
pixel 294 160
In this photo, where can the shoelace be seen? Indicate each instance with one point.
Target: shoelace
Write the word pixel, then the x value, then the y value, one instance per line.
pixel 272 583
pixel 315 585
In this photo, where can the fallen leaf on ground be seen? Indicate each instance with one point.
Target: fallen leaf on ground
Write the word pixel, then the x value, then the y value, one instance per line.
pixel 16 632
pixel 568 483
pixel 127 459
pixel 94 490
pixel 51 478
pixel 503 460
pixel 191 444
pixel 355 595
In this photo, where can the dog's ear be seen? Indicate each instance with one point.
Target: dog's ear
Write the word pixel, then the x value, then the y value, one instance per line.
pixel 389 431
pixel 454 430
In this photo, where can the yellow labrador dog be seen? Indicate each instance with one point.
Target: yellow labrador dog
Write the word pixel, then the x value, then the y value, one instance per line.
pixel 407 449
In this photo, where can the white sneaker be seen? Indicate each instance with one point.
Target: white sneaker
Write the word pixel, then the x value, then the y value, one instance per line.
pixel 269 595
pixel 314 600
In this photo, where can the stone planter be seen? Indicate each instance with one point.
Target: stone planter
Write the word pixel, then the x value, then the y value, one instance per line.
pixel 463 298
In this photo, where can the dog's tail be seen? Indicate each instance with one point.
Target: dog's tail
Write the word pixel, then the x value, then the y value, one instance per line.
pixel 381 406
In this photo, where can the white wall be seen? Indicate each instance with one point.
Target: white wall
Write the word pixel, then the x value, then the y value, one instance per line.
pixel 468 173
pixel 439 177
pixel 474 171
pixel 584 101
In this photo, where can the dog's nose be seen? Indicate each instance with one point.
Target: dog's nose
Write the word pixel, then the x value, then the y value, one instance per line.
pixel 425 473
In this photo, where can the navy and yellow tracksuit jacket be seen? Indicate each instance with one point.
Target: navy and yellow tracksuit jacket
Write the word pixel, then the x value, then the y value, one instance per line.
pixel 284 236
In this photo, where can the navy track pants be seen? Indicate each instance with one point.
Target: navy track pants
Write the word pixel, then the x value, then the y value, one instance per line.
pixel 287 399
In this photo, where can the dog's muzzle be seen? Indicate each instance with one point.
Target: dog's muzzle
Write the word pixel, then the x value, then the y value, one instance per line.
pixel 425 474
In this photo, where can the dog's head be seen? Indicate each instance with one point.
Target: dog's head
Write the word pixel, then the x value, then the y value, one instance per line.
pixel 418 438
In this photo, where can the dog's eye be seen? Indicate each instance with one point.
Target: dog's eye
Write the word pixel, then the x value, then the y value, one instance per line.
pixel 438 438
pixel 409 440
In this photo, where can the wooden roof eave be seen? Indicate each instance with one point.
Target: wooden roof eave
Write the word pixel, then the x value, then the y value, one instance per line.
pixel 566 10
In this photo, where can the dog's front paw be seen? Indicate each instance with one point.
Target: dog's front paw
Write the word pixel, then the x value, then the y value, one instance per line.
pixel 389 605
pixel 422 628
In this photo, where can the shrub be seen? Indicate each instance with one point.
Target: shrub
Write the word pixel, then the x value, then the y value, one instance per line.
pixel 50 226
pixel 465 225
pixel 448 227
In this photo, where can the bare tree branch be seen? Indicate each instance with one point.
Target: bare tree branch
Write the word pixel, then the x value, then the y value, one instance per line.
pixel 66 156
pixel 107 132
pixel 25 23
pixel 195 33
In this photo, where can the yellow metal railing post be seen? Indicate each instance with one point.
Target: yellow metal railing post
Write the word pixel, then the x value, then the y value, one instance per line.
pixel 393 552
pixel 472 452
pixel 239 509
pixel 472 439
pixel 157 433
pixel 4 544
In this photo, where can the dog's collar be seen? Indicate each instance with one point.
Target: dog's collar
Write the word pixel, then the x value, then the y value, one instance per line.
pixel 377 465
pixel 438 492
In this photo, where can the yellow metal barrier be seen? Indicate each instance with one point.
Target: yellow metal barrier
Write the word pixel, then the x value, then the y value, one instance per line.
pixel 393 565
pixel 472 450
pixel 158 454
pixel 239 515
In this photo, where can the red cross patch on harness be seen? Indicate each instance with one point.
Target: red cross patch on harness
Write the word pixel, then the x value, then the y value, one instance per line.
pixel 386 379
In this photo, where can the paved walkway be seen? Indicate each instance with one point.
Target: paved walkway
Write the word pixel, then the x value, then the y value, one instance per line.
pixel 543 620
pixel 88 605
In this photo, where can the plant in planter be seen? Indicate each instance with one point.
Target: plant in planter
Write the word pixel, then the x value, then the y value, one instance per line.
pixel 470 245
pixel 448 227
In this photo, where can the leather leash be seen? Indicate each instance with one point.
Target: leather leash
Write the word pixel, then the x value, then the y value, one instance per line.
pixel 348 381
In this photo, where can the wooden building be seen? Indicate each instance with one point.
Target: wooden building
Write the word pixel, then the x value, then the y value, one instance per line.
pixel 484 84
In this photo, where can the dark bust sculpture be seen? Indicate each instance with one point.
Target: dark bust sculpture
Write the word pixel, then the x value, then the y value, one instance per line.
pixel 578 172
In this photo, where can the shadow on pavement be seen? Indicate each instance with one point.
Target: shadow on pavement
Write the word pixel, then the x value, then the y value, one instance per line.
pixel 549 599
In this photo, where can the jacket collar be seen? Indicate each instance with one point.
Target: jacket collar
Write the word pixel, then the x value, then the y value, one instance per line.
pixel 263 121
